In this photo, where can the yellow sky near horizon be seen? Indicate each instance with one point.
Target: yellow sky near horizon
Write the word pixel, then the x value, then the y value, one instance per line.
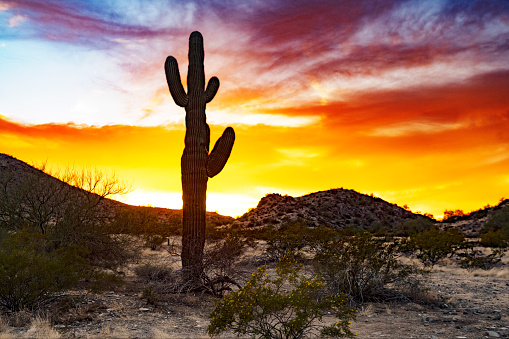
pixel 266 159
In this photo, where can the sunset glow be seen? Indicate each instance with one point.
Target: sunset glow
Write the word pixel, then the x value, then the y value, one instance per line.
pixel 408 100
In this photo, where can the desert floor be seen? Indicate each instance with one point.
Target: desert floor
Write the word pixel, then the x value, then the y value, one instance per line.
pixel 469 305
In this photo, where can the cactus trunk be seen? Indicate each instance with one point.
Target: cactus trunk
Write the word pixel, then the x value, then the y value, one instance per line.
pixel 197 165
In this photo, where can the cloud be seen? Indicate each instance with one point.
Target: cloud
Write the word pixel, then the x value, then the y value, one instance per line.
pixel 323 38
pixel 4 6
pixel 16 20
pixel 413 128
pixel 92 23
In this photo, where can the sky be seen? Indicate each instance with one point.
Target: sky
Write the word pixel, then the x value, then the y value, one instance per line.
pixel 408 100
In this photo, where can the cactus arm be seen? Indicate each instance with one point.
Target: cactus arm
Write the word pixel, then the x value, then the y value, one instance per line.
pixel 178 94
pixel 220 153
pixel 212 88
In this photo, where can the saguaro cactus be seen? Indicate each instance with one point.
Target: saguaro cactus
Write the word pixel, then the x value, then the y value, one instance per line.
pixel 197 165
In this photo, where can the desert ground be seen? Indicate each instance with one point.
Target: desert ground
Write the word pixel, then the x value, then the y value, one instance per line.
pixel 463 304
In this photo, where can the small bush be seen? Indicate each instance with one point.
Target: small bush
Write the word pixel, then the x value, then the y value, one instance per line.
pixel 414 226
pixel 433 245
pixel 30 275
pixel 288 240
pixel 154 273
pixel 42 329
pixel 149 295
pixel 293 238
pixel 476 259
pixel 499 220
pixel 497 239
pixel 453 215
pixel 220 257
pixel 360 266
pixel 264 309
pixel 158 280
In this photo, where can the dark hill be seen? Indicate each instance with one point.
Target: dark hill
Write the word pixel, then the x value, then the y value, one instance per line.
pixel 336 208
pixel 472 223
pixel 16 174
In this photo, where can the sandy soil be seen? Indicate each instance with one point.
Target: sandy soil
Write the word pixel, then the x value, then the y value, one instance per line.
pixel 470 305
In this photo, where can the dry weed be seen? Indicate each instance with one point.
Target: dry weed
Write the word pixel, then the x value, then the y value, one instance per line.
pixel 367 310
pixel 7 335
pixel 109 332
pixel 20 319
pixel 497 272
pixel 3 324
pixel 40 328
pixel 502 273
pixel 162 333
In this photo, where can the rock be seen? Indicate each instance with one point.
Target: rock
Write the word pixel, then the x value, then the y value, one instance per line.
pixel 433 337
pixel 493 334
pixel 144 309
pixel 497 316
pixel 469 328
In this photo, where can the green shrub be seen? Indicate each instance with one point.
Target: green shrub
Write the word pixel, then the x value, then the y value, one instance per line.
pixel 264 309
pixel 360 266
pixel 293 238
pixel 150 296
pixel 288 240
pixel 498 220
pixel 350 231
pixel 476 259
pixel 497 239
pixel 414 226
pixel 69 213
pixel 433 245
pixel 30 275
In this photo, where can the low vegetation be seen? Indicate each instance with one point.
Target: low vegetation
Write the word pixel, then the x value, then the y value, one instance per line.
pixel 433 245
pixel 289 305
pixel 55 236
pixel 362 266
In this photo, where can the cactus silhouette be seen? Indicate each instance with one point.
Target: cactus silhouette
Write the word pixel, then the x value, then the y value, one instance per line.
pixel 197 165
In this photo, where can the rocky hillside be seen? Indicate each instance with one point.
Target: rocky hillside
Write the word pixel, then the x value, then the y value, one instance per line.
pixel 472 223
pixel 336 208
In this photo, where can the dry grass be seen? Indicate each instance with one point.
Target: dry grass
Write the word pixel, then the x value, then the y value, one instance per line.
pixel 367 310
pixel 7 335
pixel 3 324
pixel 111 332
pixel 5 330
pixel 40 328
pixel 497 272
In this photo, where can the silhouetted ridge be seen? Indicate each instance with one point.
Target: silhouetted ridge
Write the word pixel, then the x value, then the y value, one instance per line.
pixel 19 171
pixel 336 208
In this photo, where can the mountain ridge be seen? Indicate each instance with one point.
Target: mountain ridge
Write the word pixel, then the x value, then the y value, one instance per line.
pixel 336 208
pixel 17 170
